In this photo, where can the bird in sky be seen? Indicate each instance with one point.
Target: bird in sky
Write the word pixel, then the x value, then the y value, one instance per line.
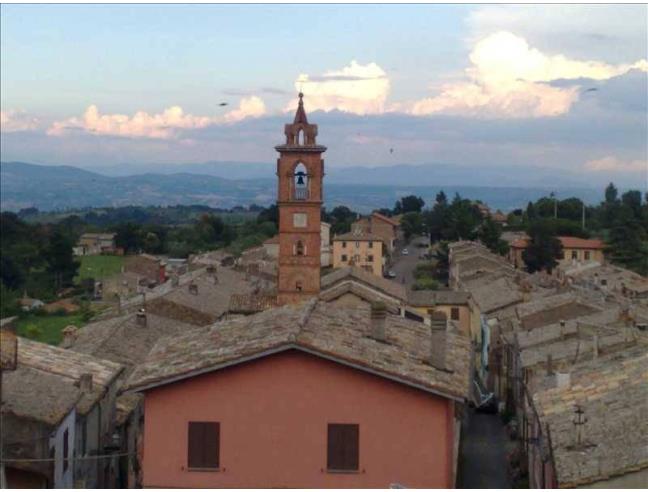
pixel 223 104
pixel 591 89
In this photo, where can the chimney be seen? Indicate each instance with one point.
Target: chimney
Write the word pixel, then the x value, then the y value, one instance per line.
pixel 193 288
pixel 550 371
pixel 438 329
pixel 69 336
pixel 140 317
pixel 85 383
pixel 378 320
pixel 563 379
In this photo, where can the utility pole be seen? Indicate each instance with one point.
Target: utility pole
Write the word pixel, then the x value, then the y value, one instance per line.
pixel 583 225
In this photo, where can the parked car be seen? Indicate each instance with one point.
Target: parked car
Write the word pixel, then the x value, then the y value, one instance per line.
pixel 405 252
pixel 390 274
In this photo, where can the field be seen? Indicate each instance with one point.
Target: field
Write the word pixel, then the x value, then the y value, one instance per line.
pixel 46 328
pixel 99 266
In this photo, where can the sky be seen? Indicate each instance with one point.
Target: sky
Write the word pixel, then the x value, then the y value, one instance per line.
pixel 550 86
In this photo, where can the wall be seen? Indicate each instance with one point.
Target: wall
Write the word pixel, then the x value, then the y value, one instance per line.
pixel 64 479
pixel 273 415
pixel 464 315
pixel 361 249
pixel 595 254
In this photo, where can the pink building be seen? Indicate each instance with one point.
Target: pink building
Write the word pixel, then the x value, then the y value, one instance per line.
pixel 305 396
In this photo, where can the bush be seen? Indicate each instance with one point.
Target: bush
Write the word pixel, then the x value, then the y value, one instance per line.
pixel 33 332
pixel 424 270
pixel 425 283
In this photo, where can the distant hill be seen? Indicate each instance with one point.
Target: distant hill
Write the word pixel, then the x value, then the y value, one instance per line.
pixel 64 187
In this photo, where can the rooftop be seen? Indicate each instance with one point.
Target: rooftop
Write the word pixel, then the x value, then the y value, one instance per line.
pixel 45 385
pixel 352 273
pixel 567 242
pixel 434 297
pixel 341 335
pixel 613 393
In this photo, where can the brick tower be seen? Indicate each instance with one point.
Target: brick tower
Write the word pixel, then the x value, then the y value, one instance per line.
pixel 300 169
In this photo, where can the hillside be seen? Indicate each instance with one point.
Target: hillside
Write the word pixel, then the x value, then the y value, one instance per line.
pixel 62 187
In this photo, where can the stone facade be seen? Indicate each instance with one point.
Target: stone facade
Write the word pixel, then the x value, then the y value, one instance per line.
pixel 300 169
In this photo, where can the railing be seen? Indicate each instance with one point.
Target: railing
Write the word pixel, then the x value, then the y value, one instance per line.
pixel 301 193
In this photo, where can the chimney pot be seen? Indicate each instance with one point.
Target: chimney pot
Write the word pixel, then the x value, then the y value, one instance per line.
pixel 140 318
pixel 85 383
pixel 378 319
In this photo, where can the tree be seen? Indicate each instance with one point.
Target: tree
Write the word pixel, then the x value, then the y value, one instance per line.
pixel 270 214
pixel 611 193
pixel 632 200
pixel 410 203
pixel 490 234
pixel 544 248
pixel 411 224
pixel 60 259
pixel 129 237
pixel 626 246
pixel 531 212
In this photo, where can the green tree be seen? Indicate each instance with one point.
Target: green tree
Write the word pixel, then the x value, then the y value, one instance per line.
pixel 129 237
pixel 410 203
pixel 632 200
pixel 544 248
pixel 60 260
pixel 611 193
pixel 490 234
pixel 626 245
pixel 411 224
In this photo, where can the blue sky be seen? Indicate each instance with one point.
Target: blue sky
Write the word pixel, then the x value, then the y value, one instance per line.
pixel 94 84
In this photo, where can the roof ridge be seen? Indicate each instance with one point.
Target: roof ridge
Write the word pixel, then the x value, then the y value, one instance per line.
pixel 306 314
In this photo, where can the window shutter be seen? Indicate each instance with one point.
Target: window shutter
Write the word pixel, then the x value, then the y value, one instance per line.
pixel 343 447
pixel 204 445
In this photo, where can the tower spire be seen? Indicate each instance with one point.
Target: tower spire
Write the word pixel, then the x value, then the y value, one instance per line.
pixel 300 115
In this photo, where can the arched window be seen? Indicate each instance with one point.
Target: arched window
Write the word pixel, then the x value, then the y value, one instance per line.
pixel 298 285
pixel 300 179
pixel 300 137
pixel 299 248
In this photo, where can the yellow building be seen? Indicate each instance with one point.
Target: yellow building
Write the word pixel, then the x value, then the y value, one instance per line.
pixel 574 249
pixel 454 304
pixel 359 249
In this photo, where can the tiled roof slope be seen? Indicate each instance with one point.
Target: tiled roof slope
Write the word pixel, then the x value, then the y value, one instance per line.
pixel 45 385
pixel 341 335
pixel 354 273
pixel 613 392
pixel 435 297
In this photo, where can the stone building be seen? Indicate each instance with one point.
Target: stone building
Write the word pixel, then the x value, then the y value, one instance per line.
pixel 300 170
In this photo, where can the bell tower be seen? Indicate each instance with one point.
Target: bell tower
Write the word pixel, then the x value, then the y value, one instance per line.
pixel 300 169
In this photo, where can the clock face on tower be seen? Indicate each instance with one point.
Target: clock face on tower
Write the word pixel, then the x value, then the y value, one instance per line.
pixel 299 219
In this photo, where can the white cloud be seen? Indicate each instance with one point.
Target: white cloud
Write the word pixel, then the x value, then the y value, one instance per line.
pixel 612 163
pixel 356 88
pixel 249 107
pixel 165 125
pixel 16 121
pixel 507 78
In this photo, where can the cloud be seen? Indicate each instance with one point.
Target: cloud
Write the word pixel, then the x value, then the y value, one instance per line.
pixel 249 107
pixel 612 163
pixel 509 79
pixel 356 88
pixel 17 121
pixel 165 125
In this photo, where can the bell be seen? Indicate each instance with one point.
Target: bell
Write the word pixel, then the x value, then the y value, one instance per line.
pixel 300 178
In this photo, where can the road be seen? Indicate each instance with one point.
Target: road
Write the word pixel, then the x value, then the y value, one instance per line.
pixel 483 463
pixel 403 265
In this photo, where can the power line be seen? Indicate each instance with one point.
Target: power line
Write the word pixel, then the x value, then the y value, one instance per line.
pixel 80 458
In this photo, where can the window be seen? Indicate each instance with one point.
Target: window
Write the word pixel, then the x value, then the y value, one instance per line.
pixel 454 313
pixel 204 445
pixel 299 248
pixel 574 255
pixel 344 244
pixel 343 447
pixel 587 255
pixel 370 244
pixel 357 244
pixel 66 448
pixel 344 258
pixel 370 258
pixel 298 285
pixel 300 182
